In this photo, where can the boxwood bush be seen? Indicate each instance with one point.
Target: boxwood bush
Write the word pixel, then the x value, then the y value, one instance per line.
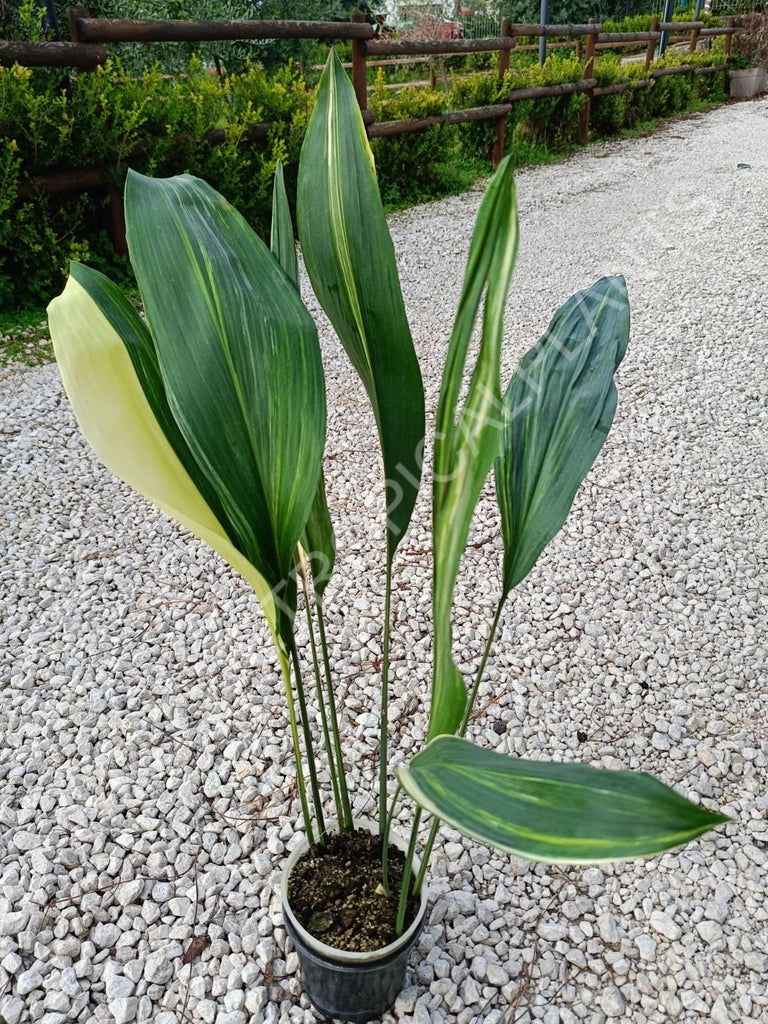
pixel 113 118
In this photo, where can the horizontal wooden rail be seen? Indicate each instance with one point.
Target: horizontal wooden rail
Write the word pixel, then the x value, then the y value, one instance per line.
pixel 709 33
pixel 418 124
pixel 128 30
pixel 63 181
pixel 627 37
pixel 680 26
pixel 592 29
pixel 610 90
pixel 395 46
pixel 51 55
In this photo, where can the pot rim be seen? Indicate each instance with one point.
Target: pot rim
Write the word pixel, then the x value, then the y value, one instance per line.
pixel 348 956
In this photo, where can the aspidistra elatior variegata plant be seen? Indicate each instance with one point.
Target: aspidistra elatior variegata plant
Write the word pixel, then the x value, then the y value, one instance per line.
pixel 214 409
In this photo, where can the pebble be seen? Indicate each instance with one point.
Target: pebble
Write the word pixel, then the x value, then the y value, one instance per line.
pixel 28 981
pixel 13 923
pixel 665 926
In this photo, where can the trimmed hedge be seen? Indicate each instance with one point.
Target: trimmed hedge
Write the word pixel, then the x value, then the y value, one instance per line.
pixel 108 119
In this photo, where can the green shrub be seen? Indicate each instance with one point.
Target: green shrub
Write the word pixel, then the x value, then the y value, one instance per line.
pixel 550 122
pixel 417 165
pixel 111 120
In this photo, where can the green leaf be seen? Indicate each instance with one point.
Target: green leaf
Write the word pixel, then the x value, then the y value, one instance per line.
pixel 319 542
pixel 558 410
pixel 350 259
pixel 105 358
pixel 558 813
pixel 240 360
pixel 467 442
pixel 282 241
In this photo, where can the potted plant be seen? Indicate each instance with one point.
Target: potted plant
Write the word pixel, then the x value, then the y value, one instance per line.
pixel 749 67
pixel 215 410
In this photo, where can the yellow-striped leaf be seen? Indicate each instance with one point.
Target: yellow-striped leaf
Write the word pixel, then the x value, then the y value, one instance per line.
pixel 99 340
pixel 282 242
pixel 558 410
pixel 558 813
pixel 351 263
pixel 240 362
pixel 467 440
pixel 319 540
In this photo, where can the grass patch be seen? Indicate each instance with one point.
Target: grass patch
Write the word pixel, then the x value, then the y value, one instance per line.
pixel 25 338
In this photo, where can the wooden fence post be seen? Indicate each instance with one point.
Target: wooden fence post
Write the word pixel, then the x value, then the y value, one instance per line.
pixel 359 69
pixel 72 15
pixel 589 70
pixel 728 39
pixel 694 41
pixel 651 48
pixel 501 122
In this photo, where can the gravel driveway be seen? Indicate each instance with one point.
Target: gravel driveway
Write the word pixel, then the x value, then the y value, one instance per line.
pixel 146 780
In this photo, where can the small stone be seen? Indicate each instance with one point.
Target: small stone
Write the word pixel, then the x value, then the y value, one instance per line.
pixel 496 975
pixel 57 1001
pixel 577 958
pixel 123 1009
pixel 710 931
pixel 11 1009
pixel 158 968
pixel 105 936
pixel 664 924
pixel 692 1001
pixel 607 929
pixel 13 923
pixel 646 947
pixel 12 963
pixel 716 910
pixel 612 1002
pixel 406 1001
pixel 206 1009
pixel 469 992
pixel 234 1000
pixel 29 981
pixel 231 1017
pixel 755 961
pixel 421 1015
pixel 119 987
pixel 69 984
pixel 719 1012
pixel 129 892
pixel 551 931
pixel 26 841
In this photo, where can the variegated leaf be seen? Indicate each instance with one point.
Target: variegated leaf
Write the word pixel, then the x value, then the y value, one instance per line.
pixel 467 440
pixel 557 813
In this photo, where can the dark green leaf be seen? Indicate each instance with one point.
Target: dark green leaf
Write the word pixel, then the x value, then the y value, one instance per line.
pixel 351 263
pixel 559 813
pixel 558 409
pixel 282 242
pixel 239 356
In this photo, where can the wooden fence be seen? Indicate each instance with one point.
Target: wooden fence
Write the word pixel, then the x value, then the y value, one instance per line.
pixel 87 51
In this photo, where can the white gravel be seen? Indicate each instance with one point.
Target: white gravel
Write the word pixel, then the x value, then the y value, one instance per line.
pixel 145 782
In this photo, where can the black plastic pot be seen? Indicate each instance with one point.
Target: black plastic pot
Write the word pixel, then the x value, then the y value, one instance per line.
pixel 350 986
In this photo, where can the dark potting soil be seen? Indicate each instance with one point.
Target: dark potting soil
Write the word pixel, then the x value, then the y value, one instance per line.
pixel 336 894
